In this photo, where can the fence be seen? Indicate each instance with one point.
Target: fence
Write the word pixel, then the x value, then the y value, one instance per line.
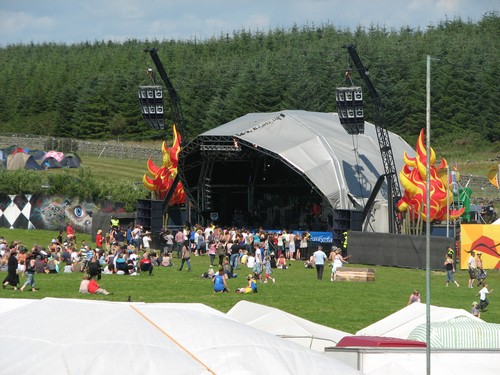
pixel 112 149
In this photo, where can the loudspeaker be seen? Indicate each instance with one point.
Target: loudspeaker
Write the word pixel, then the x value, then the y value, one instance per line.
pixel 152 109
pixel 350 109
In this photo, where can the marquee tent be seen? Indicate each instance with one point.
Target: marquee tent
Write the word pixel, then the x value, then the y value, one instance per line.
pixel 20 160
pixel 280 323
pixel 403 322
pixel 460 333
pixel 103 337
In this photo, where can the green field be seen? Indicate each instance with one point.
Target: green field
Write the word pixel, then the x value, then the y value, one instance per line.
pixel 345 306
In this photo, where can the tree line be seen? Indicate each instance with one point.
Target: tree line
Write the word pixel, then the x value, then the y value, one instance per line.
pixel 89 90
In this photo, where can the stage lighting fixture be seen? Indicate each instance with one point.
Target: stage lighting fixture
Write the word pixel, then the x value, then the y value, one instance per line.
pixel 152 109
pixel 350 109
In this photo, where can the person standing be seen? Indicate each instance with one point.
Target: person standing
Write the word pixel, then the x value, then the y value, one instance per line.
pixel 450 269
pixel 98 239
pixel 319 260
pixel 30 272
pixel 12 277
pixel 481 274
pixel 70 233
pixel 186 256
pixel 338 262
pixel 179 241
pixel 483 299
pixel 472 269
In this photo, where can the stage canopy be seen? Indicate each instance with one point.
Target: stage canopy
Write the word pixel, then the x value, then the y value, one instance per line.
pixel 282 159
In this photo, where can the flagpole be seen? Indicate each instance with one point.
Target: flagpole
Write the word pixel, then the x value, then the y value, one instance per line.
pixel 428 223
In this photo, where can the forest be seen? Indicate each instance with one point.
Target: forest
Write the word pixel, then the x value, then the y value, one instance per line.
pixel 89 90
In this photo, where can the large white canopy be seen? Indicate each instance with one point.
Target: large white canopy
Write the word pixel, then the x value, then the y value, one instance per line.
pixel 69 336
pixel 404 321
pixel 341 166
pixel 291 327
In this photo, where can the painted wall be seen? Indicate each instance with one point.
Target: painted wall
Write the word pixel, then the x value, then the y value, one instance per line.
pixel 484 238
pixel 49 212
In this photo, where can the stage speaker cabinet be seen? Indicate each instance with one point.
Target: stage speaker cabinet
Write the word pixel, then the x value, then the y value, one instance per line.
pixel 151 104
pixel 344 221
pixel 149 214
pixel 350 109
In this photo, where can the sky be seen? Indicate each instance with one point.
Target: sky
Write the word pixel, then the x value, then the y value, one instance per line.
pixel 72 21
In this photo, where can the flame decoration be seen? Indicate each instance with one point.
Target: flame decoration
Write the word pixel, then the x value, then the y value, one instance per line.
pixel 413 178
pixel 164 176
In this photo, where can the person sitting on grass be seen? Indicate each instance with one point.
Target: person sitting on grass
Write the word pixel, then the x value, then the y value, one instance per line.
pixel 146 265
pixel 95 288
pixel 250 288
pixel 219 281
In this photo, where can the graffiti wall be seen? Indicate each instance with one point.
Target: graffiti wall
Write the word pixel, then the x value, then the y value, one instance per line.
pixel 49 212
pixel 484 238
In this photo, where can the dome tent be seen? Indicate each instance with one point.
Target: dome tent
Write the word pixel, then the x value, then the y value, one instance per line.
pixel 21 160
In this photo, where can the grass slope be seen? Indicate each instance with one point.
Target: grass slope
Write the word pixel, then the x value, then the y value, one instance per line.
pixel 344 306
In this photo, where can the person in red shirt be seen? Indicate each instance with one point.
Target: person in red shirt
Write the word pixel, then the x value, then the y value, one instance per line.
pixel 98 239
pixel 95 288
pixel 70 233
pixel 145 264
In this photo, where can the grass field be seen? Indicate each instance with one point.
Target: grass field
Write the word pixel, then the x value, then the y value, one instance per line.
pixel 345 306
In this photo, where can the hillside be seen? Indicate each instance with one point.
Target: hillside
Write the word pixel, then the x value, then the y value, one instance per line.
pixel 89 90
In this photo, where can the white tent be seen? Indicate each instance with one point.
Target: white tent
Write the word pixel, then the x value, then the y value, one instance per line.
pixel 61 336
pixel 403 322
pixel 288 326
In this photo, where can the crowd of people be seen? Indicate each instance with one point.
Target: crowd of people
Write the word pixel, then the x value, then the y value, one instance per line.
pixel 128 252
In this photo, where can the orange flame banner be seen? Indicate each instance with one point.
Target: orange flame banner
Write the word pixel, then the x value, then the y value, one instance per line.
pixel 164 176
pixel 414 180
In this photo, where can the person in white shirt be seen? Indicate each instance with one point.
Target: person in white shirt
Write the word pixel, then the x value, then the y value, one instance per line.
pixel 483 300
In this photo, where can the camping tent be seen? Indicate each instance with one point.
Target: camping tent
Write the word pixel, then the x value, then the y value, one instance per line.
pixel 131 338
pixel 37 154
pixel 54 154
pixel 460 333
pixel 403 322
pixel 285 325
pixel 50 162
pixel 70 161
pixel 20 160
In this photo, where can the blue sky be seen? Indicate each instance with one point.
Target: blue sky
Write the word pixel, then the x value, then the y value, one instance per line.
pixel 71 21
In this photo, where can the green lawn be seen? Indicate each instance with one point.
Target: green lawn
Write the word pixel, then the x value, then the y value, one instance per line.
pixel 344 306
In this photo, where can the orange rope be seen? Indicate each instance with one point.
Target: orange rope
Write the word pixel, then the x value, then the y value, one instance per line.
pixel 174 340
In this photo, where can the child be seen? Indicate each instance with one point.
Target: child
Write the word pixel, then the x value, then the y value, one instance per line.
pixel 475 310
pixel 267 267
pixel 483 300
pixel 257 269
pixel 84 285
pixel 30 271
pixel 250 288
